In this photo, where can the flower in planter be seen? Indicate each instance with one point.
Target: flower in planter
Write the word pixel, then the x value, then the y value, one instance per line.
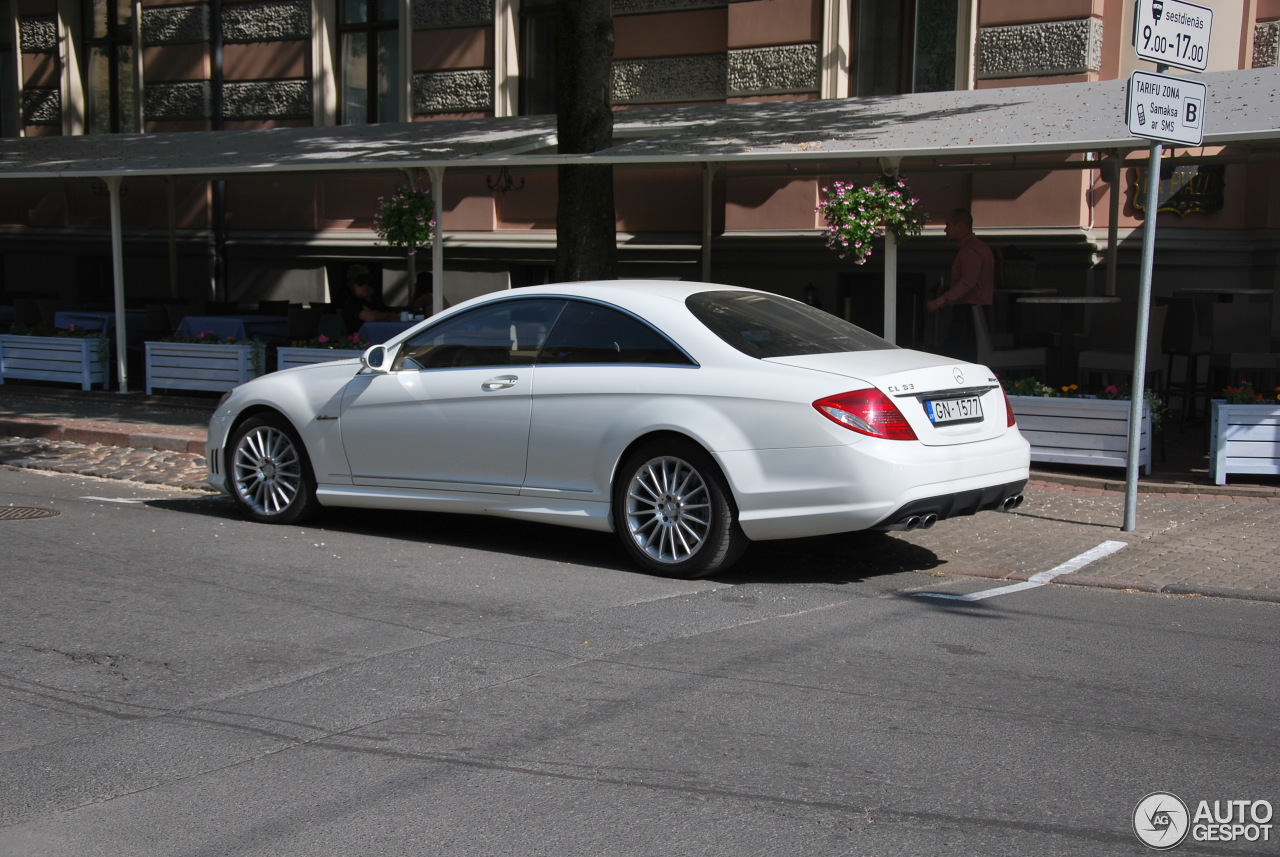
pixel 404 219
pixel 208 337
pixel 352 342
pixel 1244 394
pixel 856 215
pixel 1032 387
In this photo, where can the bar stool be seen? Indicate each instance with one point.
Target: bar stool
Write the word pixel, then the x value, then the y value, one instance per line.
pixel 1185 337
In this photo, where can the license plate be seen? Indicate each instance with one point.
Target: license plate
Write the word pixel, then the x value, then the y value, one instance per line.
pixel 968 409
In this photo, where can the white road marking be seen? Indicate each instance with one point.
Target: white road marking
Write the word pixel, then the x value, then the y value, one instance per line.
pixel 114 500
pixel 1074 564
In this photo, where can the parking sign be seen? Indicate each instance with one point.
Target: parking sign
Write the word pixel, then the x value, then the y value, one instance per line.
pixel 1173 32
pixel 1169 109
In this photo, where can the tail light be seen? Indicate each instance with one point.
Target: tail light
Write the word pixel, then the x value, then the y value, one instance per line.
pixel 868 412
pixel 1008 409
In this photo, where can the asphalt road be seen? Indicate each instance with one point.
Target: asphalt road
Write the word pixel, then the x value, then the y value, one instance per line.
pixel 179 682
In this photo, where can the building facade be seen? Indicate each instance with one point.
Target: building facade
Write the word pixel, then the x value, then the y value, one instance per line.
pixel 71 67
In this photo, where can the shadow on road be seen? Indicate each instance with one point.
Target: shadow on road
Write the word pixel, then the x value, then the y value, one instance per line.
pixel 843 558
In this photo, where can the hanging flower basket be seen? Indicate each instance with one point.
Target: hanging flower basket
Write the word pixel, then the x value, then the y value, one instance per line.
pixel 857 215
pixel 404 219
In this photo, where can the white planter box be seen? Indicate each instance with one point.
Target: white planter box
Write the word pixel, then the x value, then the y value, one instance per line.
pixel 73 360
pixel 1243 439
pixel 198 366
pixel 288 356
pixel 1094 432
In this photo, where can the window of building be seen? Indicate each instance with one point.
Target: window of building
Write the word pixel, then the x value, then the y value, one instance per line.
pixel 904 46
pixel 369 51
pixel 110 67
pixel 537 57
pixel 9 117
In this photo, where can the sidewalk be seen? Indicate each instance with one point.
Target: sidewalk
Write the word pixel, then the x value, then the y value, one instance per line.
pixel 1192 537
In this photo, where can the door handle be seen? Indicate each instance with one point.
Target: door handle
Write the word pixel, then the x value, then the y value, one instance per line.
pixel 501 382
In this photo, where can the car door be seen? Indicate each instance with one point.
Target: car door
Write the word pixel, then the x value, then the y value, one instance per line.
pixel 603 375
pixel 453 412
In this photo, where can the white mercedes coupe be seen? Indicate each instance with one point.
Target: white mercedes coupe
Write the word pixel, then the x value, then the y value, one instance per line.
pixel 688 418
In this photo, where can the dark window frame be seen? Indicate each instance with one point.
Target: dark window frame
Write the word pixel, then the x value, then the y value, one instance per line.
pixel 109 34
pixel 373 26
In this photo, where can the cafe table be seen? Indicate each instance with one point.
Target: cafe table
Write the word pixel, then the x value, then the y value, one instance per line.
pixel 1226 294
pixel 104 321
pixel 1070 308
pixel 377 332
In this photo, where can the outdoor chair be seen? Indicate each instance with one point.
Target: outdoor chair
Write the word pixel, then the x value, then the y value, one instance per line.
pixel 1011 361
pixel 273 307
pixel 302 323
pixel 1242 348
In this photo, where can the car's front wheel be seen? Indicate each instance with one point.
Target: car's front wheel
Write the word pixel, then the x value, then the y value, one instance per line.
pixel 271 478
pixel 674 513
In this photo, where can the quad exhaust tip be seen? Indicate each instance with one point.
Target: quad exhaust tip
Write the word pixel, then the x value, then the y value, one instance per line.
pixel 920 522
pixel 1011 503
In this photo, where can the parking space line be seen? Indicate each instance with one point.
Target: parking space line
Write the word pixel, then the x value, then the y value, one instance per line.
pixel 1074 564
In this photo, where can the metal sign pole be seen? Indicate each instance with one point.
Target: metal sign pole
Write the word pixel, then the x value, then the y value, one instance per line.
pixel 1137 391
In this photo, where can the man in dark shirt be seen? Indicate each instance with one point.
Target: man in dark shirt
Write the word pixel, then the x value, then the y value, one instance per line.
pixel 361 304
pixel 973 279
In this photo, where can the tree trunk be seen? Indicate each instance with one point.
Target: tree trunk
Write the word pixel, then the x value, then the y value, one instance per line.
pixel 586 227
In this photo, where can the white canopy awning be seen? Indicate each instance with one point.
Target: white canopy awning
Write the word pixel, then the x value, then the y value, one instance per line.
pixel 1243 112
pixel 1023 122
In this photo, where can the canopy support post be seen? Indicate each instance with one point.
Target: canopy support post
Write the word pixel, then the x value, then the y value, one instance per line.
pixel 117 275
pixel 890 167
pixel 708 184
pixel 437 240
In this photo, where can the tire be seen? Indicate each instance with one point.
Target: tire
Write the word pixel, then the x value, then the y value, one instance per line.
pixel 674 513
pixel 269 472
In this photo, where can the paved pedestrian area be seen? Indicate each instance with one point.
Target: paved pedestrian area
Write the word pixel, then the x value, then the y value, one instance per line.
pixel 1189 540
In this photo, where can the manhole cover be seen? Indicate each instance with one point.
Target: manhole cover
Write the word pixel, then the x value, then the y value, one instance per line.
pixel 25 513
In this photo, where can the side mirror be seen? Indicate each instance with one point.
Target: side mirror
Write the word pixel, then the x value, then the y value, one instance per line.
pixel 376 358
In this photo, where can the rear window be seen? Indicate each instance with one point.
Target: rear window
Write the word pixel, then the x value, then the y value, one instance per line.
pixel 764 325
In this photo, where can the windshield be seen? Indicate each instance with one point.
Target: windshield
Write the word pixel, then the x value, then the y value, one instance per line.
pixel 763 325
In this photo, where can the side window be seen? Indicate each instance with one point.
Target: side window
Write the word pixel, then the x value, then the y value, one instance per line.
pixel 590 333
pixel 508 333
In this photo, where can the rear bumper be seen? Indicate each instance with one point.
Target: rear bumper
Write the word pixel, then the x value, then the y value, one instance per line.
pixel 924 513
pixel 870 484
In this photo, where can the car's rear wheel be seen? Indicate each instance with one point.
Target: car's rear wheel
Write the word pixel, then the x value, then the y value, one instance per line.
pixel 674 513
pixel 271 478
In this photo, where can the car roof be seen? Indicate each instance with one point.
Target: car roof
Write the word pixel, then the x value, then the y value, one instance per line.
pixel 635 295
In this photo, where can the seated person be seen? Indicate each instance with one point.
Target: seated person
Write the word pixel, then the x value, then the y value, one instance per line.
pixel 361 304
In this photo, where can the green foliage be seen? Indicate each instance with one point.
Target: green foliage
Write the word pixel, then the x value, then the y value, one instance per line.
pixel 352 342
pixel 1033 387
pixel 72 332
pixel 404 219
